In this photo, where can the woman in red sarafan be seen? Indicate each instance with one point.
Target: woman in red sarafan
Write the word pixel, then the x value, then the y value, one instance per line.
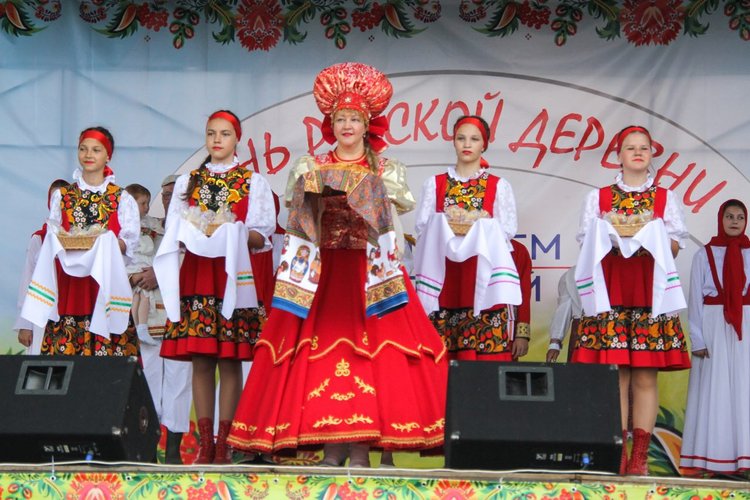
pixel 348 359
pixel 635 278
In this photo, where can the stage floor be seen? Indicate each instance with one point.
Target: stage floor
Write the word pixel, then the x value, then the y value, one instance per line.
pixel 94 480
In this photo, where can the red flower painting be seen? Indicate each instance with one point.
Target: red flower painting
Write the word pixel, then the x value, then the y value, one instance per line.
pixel 649 22
pixel 259 24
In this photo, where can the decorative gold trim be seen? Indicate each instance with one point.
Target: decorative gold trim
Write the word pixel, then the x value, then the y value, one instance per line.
pixel 523 331
pixel 274 429
pixel 342 368
pixel 365 388
pixel 373 436
pixel 278 356
pixel 438 425
pixel 342 397
pixel 358 419
pixel 407 427
pixel 244 427
pixel 326 421
pixel 318 391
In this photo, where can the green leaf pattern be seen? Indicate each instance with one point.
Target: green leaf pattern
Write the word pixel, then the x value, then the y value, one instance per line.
pixel 262 24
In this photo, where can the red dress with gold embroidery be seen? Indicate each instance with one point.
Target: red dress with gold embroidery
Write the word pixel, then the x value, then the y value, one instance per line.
pixel 628 334
pixel 70 335
pixel 339 376
pixel 202 329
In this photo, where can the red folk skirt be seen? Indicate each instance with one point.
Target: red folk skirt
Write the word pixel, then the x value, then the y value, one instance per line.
pixel 70 335
pixel 466 335
pixel 339 376
pixel 629 335
pixel 202 330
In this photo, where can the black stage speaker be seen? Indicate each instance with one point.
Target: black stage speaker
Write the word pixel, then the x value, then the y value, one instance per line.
pixel 67 408
pixel 506 416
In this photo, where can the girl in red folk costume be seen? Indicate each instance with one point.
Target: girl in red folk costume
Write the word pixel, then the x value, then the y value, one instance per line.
pixel 630 233
pixel 717 419
pixel 347 350
pixel 83 291
pixel 30 335
pixel 470 274
pixel 216 319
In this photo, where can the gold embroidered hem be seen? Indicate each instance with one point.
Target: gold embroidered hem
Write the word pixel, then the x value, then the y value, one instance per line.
pixel 280 357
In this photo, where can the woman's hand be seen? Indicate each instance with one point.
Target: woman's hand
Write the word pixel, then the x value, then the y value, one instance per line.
pixel 255 240
pixel 25 336
pixel 701 353
pixel 145 279
pixel 520 347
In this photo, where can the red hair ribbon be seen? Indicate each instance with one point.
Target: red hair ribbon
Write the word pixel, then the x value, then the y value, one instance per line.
pixel 97 136
pixel 231 119
pixel 376 129
pixel 626 132
pixel 478 124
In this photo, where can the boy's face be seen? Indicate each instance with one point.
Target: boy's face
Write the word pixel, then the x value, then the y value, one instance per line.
pixel 143 202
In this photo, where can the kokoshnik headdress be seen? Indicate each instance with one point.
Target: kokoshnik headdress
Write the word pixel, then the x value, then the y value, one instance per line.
pixel 357 87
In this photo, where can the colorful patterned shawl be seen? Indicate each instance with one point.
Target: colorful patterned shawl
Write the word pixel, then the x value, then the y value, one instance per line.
pixel 367 196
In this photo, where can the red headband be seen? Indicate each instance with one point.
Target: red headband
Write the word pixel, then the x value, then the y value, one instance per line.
pixel 482 130
pixel 626 132
pixel 97 136
pixel 477 123
pixel 231 119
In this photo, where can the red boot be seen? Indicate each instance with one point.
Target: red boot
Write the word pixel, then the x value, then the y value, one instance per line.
pixel 624 456
pixel 223 451
pixel 206 449
pixel 638 463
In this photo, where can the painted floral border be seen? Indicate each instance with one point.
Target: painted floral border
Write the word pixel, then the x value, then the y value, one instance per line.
pixel 217 485
pixel 263 24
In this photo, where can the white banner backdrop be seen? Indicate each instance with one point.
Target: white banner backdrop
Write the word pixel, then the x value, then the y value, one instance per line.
pixel 553 141
pixel 554 112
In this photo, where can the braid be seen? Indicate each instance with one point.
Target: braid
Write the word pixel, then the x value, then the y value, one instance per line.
pixel 373 160
pixel 193 182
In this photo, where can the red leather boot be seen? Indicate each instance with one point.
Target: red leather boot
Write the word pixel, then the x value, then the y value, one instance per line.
pixel 223 451
pixel 206 449
pixel 624 456
pixel 638 463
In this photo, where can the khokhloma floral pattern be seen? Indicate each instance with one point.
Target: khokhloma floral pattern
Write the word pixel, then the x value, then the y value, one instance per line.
pixel 194 485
